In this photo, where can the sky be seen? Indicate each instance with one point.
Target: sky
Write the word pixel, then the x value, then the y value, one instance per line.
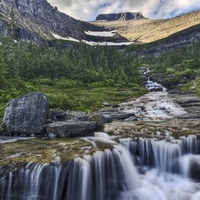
pixel 87 10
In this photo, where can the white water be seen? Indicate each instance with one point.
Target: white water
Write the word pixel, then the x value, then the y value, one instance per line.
pixel 133 169
pixel 156 106
pixel 141 169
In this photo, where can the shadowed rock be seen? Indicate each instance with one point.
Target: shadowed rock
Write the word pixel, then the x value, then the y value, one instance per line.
pixel 71 129
pixel 26 115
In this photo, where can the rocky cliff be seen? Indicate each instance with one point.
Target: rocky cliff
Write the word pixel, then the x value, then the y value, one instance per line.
pixel 38 17
pixel 120 16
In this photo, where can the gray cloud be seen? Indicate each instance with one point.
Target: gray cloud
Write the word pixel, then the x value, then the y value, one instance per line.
pixel 89 9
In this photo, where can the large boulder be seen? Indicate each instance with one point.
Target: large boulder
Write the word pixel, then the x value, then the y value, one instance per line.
pixel 26 115
pixel 71 129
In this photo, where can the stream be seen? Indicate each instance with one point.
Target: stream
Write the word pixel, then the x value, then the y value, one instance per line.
pixel 153 154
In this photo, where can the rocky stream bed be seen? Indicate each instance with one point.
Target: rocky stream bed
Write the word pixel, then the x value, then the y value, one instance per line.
pixel 145 148
pixel 160 115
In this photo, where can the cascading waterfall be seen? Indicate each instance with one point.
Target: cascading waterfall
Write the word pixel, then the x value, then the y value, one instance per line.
pixel 139 169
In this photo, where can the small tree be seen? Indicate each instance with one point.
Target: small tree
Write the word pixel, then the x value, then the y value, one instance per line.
pixel 12 26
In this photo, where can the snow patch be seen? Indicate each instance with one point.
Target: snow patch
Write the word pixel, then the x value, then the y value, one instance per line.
pixel 101 33
pixel 106 43
pixel 91 43
pixel 64 38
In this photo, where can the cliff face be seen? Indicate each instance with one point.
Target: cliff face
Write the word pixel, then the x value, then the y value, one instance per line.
pixel 120 16
pixel 38 16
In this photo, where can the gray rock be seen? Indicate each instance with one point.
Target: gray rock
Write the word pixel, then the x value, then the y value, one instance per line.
pixel 77 116
pixel 120 16
pixel 100 118
pixel 71 129
pixel 26 115
pixel 58 115
pixel 51 136
pixel 108 118
pixel 121 116
pixel 131 118
pixel 38 16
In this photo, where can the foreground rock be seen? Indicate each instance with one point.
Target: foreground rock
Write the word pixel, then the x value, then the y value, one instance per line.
pixel 26 115
pixel 29 115
pixel 71 129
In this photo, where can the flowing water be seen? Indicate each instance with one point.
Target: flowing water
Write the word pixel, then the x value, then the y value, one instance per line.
pixel 131 169
pixel 135 169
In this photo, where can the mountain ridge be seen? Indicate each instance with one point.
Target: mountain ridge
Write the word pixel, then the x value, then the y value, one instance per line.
pixel 37 20
pixel 120 16
pixel 149 30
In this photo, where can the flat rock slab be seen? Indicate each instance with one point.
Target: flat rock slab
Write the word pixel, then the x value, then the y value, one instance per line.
pixel 71 129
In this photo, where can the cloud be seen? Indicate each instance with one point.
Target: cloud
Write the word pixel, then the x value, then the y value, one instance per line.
pixel 89 9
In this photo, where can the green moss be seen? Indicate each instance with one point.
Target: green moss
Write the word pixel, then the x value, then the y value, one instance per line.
pixel 38 150
pixel 46 151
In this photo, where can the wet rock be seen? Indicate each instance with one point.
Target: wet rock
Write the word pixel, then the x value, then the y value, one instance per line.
pixel 71 129
pixel 194 167
pixel 108 118
pixel 121 116
pixel 132 118
pixel 26 115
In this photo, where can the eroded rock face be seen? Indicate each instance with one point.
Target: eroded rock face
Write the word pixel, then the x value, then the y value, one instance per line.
pixel 26 115
pixel 120 16
pixel 38 16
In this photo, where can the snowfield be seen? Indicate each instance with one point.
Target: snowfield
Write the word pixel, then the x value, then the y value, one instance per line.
pixel 106 43
pixel 64 38
pixel 101 33
pixel 91 43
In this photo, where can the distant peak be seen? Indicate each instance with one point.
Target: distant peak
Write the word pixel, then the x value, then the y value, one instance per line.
pixel 120 16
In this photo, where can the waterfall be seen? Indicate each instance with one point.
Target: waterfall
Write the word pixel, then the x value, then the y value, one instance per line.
pixel 135 169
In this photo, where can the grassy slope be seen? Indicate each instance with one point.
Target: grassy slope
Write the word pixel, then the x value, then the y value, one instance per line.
pixel 148 30
pixel 79 98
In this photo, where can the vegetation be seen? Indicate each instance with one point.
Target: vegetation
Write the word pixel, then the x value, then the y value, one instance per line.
pixel 83 77
pixel 78 78
pixel 176 67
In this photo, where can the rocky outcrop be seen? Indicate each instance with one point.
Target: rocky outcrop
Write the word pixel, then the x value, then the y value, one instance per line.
pixel 20 33
pixel 120 16
pixel 26 115
pixel 29 115
pixel 71 129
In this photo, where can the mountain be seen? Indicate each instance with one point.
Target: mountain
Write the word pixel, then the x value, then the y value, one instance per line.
pixel 38 16
pixel 37 20
pixel 146 30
